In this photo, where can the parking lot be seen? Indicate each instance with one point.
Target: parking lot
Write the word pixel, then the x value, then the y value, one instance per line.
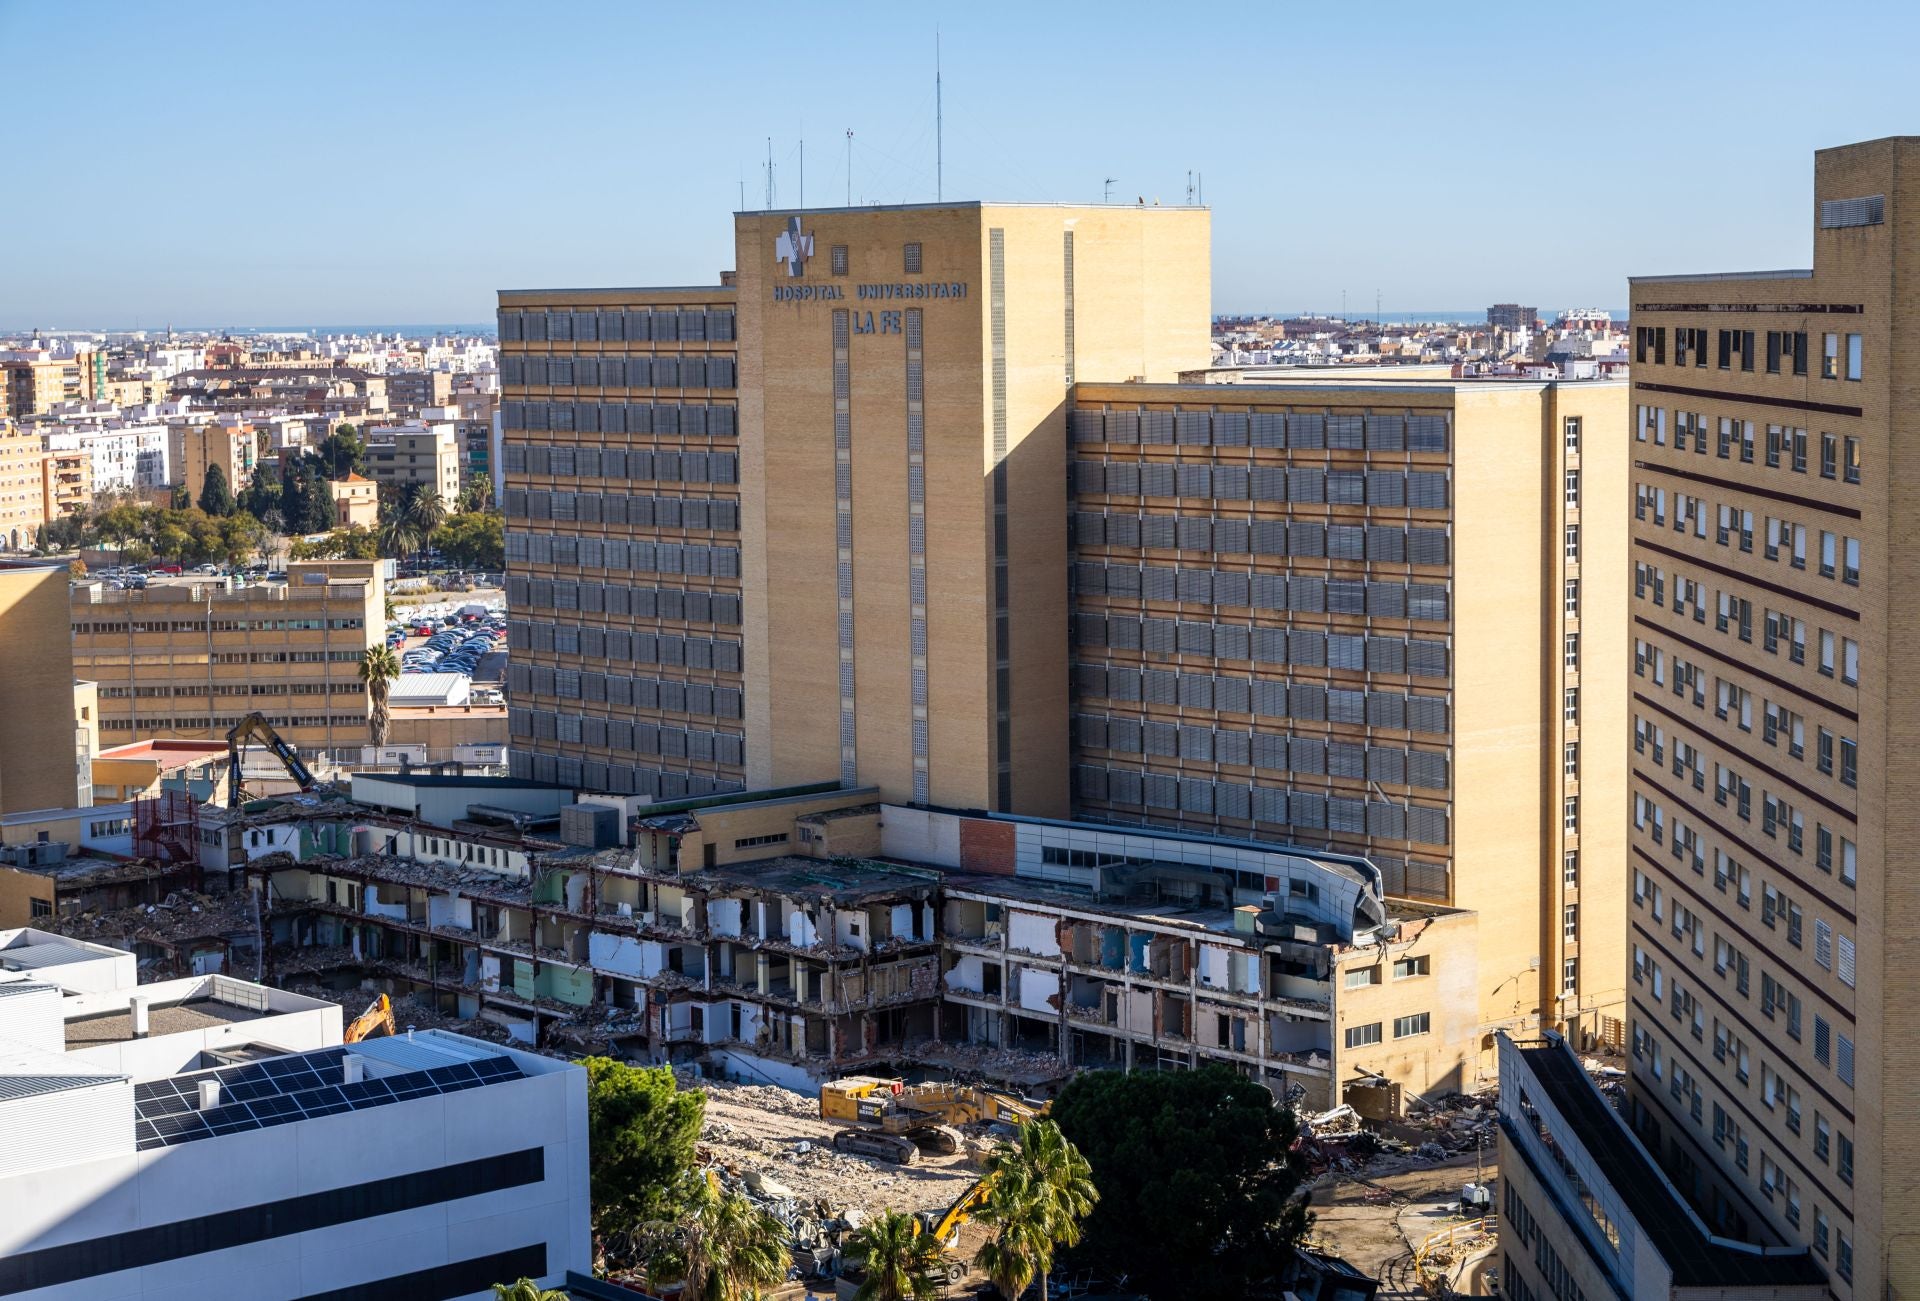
pixel 463 636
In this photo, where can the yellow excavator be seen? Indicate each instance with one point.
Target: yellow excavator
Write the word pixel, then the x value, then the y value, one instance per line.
pixel 946 1228
pixel 896 1121
pixel 377 1019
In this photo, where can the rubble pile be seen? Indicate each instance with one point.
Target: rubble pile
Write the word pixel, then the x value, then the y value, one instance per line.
pixel 1341 1142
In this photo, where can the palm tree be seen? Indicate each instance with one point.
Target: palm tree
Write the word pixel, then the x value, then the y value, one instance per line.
pixel 526 1290
pixel 901 1263
pixel 1050 1191
pixel 378 667
pixel 731 1249
pixel 1012 1256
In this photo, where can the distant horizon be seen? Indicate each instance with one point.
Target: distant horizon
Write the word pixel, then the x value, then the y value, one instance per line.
pixel 1446 316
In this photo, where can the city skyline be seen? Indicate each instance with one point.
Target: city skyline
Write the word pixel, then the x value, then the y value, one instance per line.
pixel 407 242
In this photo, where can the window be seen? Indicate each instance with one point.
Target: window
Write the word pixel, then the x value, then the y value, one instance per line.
pixel 40 907
pixel 1570 976
pixel 1407 968
pixel 1573 430
pixel 1853 357
pixel 1570 921
pixel 1573 541
pixel 1571 705
pixel 1362 1036
pixel 910 256
pixel 1361 977
pixel 1573 487
pixel 839 259
pixel 1829 356
pixel 1850 574
pixel 1829 553
pixel 1570 869
pixel 1406 1027
pixel 1829 456
pixel 1852 461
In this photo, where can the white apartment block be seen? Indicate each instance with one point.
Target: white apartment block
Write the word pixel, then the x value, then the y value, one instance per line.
pixel 209 1137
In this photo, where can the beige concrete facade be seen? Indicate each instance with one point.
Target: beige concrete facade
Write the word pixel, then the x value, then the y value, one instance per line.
pixel 189 660
pixel 426 454
pixel 356 502
pixel 66 483
pixel 622 502
pixel 1773 822
pixel 902 417
pixel 41 735
pixel 22 487
pixel 194 447
pixel 1356 616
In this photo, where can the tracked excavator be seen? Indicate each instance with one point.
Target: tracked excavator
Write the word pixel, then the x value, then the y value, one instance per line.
pixel 256 727
pixel 896 1121
pixel 377 1019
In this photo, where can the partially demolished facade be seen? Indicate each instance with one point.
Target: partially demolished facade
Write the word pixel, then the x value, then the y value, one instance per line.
pixel 791 936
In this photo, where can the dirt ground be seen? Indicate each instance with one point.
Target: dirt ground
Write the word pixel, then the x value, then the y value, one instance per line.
pixel 1375 1219
pixel 780 1133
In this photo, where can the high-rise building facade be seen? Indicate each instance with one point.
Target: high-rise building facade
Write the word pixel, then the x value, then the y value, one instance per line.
pixel 1512 316
pixel 1773 555
pixel 622 497
pixel 22 486
pixel 1369 616
pixel 867 534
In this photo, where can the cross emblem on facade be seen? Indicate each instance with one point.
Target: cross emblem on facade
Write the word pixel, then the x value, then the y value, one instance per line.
pixel 793 247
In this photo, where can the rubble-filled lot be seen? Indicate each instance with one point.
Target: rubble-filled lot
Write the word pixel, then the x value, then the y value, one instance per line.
pixel 780 1135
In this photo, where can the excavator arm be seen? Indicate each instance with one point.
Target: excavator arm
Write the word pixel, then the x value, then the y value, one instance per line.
pixel 377 1017
pixel 255 727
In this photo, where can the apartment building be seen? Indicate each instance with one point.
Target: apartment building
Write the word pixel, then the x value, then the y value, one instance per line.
pixel 32 382
pixel 425 453
pixel 621 469
pixel 195 445
pixel 215 1137
pixel 1770 804
pixel 45 739
pixel 66 482
pixel 1328 613
pixel 189 660
pixel 22 487
pixel 411 392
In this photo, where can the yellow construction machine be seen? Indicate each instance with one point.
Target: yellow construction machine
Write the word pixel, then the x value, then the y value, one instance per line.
pixel 946 1228
pixel 377 1019
pixel 896 1121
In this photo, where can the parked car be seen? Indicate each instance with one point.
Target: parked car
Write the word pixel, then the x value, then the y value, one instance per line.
pixel 166 569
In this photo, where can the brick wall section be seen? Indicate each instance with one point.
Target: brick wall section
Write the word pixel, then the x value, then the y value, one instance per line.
pixel 986 846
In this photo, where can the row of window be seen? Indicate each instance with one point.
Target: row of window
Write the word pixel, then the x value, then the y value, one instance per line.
pixel 669 603
pixel 1419 657
pixel 1300 593
pixel 1308 810
pixel 1827 1146
pixel 1275 752
pixel 692 419
pixel 223 724
pixel 1384 543
pixel 1733 439
pixel 634 556
pixel 661 465
pixel 665 694
pixel 672 370
pixel 527 763
pixel 622 646
pixel 1307 702
pixel 1839 555
pixel 1834 854
pixel 695 514
pixel 626 736
pixel 1407 968
pixel 618 325
pixel 1301 486
pixel 1295 431
pixel 1842 355
pixel 1411 1026
pixel 200 627
pixel 350 686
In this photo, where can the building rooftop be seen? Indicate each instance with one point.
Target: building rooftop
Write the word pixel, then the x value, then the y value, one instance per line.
pixel 1696 1258
pixel 836 880
pixel 116 1026
pixel 169 753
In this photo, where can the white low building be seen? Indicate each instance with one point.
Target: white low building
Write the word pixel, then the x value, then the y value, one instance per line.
pixel 210 1137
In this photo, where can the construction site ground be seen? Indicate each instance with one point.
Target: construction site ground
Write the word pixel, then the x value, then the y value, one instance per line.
pixel 781 1134
pixel 1376 1217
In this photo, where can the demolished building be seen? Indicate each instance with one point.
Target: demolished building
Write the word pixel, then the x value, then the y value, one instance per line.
pixel 790 936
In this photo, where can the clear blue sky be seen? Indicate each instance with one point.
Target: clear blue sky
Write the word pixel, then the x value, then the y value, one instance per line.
pixel 279 163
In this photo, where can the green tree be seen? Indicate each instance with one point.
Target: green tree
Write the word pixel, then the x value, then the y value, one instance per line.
pixel 121 524
pixel 422 506
pixel 478 494
pixel 378 668
pixel 526 1289
pixel 342 453
pixel 1042 1190
pixel 1011 1257
pixel 1209 1206
pixel 216 498
pixel 241 537
pixel 320 512
pixel 641 1132
pixel 181 497
pixel 474 540
pixel 899 1263
pixel 729 1248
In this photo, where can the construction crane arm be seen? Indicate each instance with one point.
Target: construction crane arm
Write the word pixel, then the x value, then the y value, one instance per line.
pixel 256 727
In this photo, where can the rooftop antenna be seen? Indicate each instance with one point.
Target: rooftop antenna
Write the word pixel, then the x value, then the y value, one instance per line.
pixel 1106 194
pixel 769 173
pixel 803 173
pixel 1189 187
pixel 939 127
pixel 849 167
pixel 1201 177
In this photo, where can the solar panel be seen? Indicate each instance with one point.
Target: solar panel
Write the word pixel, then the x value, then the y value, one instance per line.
pixel 297 1087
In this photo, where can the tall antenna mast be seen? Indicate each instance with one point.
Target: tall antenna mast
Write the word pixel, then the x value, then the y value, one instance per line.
pixel 939 126
pixel 769 173
pixel 1189 187
pixel 1106 192
pixel 803 172
pixel 849 167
